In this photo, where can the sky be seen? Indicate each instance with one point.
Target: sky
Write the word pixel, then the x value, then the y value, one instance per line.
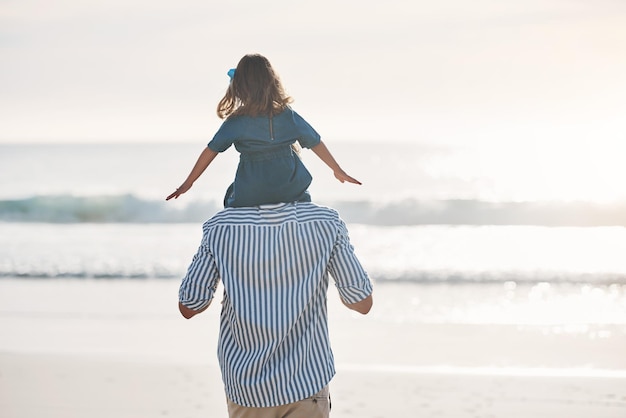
pixel 450 71
pixel 533 90
pixel 529 95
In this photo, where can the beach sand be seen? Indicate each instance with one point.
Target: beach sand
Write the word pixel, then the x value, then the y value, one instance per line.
pixel 44 385
pixel 118 348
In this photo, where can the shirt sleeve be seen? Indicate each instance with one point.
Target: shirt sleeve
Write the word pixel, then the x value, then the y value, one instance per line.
pixel 351 279
pixel 199 284
pixel 307 136
pixel 224 137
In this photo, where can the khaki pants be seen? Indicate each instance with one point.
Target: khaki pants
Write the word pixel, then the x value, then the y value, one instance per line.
pixel 317 406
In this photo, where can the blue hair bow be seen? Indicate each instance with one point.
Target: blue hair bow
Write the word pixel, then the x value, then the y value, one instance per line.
pixel 231 73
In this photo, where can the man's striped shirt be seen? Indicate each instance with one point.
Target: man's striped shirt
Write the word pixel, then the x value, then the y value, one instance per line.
pixel 274 262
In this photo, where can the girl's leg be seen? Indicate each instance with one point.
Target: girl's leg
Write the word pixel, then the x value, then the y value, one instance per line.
pixel 229 196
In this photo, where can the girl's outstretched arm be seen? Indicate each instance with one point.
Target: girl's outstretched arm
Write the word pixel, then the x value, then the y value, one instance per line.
pixel 203 162
pixel 321 151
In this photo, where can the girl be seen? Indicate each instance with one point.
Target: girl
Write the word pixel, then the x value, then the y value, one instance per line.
pixel 264 129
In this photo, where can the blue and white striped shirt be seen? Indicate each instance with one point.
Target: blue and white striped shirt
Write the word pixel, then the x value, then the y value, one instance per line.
pixel 274 261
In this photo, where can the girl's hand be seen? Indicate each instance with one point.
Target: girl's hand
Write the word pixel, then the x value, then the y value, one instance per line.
pixel 182 189
pixel 203 162
pixel 343 177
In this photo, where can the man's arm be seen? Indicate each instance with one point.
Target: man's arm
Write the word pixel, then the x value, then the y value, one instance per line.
pixel 190 313
pixel 362 307
pixel 352 281
pixel 200 283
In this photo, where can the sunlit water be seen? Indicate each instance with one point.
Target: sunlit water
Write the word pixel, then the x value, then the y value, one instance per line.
pixel 418 224
pixel 519 275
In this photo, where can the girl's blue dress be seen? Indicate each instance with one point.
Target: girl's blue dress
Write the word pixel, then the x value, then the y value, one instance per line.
pixel 269 170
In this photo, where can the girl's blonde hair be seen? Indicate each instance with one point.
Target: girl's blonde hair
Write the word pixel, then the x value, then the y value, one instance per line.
pixel 254 90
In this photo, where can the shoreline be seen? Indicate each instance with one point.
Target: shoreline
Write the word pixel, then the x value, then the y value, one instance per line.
pixel 66 386
pixel 104 349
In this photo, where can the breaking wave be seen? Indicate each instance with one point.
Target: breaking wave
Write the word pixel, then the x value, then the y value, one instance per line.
pixel 379 276
pixel 129 208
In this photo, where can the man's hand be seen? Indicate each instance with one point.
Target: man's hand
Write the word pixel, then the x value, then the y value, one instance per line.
pixel 190 313
pixel 362 307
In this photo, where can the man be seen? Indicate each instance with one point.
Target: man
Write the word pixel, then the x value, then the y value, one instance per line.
pixel 274 262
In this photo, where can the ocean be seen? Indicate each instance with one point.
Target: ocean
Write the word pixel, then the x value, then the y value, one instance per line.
pixel 425 216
